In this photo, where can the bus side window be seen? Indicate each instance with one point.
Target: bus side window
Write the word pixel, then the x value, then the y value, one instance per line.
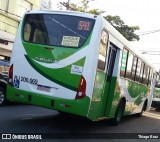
pixel 134 66
pixel 149 71
pixel 138 70
pixel 145 75
pixel 102 51
pixel 150 76
pixel 129 65
pixel 141 72
pixel 124 62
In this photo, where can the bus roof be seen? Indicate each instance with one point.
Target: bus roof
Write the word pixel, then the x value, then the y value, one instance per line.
pixel 82 14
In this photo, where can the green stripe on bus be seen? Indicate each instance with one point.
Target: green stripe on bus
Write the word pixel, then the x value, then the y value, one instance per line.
pixel 58 53
pixel 64 80
pixel 74 106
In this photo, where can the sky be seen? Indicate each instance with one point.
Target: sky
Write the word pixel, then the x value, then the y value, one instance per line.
pixel 142 13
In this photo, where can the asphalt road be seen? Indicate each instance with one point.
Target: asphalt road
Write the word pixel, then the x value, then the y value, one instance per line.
pixel 17 118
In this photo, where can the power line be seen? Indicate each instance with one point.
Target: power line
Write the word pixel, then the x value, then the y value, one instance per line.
pixel 152 53
pixel 146 31
pixel 149 32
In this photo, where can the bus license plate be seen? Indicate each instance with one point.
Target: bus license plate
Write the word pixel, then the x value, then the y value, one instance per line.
pixel 43 88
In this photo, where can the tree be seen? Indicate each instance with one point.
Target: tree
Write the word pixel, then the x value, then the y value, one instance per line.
pixel 75 7
pixel 96 11
pixel 125 30
pixel 85 4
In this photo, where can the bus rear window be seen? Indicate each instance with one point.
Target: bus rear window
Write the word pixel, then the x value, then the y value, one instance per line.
pixel 57 30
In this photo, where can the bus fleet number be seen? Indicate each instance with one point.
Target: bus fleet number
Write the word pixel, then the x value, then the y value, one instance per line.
pixel 31 80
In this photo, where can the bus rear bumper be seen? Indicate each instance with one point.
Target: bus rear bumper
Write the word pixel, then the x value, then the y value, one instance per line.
pixel 75 106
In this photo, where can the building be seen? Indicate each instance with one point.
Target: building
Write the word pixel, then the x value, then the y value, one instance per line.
pixel 11 12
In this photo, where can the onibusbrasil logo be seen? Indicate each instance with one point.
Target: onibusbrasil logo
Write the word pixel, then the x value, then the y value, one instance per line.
pixel 20 136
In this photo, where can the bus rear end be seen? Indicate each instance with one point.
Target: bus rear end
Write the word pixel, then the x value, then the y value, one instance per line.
pixel 47 62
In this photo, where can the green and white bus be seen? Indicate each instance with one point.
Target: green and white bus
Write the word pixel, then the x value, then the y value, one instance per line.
pixel 78 63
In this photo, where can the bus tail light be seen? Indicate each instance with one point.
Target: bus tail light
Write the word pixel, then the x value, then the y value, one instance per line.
pixel 10 77
pixel 81 92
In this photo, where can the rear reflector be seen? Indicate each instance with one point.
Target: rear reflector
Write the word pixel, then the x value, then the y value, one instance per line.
pixel 81 92
pixel 10 77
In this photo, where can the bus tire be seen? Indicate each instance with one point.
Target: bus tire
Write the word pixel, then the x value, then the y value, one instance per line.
pixel 119 113
pixel 2 96
pixel 143 109
pixel 63 113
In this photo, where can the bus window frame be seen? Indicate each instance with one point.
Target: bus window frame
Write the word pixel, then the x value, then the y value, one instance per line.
pixel 129 76
pixel 140 79
pixel 141 71
pixel 107 45
pixel 137 77
pixel 148 75
pixel 133 78
pixel 151 76
pixel 145 80
pixel 126 62
pixel 32 35
pixel 108 73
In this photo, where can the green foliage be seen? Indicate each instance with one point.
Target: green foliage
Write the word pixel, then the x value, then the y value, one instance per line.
pixel 125 30
pixel 82 8
pixel 75 7
pixel 96 11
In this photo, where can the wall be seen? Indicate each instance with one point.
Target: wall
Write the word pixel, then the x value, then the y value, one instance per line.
pixel 9 22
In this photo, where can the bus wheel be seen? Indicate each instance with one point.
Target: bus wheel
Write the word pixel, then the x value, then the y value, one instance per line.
pixel 63 113
pixel 2 96
pixel 119 113
pixel 143 109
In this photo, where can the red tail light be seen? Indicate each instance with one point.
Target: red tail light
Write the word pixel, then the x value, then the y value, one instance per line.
pixel 81 92
pixel 10 77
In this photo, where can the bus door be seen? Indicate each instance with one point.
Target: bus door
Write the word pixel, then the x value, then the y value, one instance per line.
pixel 110 80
